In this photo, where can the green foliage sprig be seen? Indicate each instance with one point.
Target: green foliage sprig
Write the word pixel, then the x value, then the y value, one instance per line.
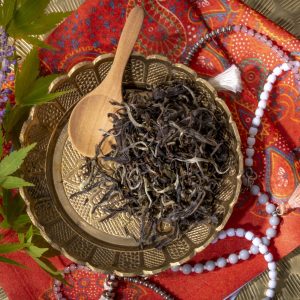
pixel 30 89
pixel 25 19
pixel 14 216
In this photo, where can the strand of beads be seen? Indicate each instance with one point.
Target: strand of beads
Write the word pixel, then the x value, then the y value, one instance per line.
pixel 294 65
pixel 259 245
pixel 205 39
pixel 58 285
pixel 108 288
pixel 110 283
pixel 149 285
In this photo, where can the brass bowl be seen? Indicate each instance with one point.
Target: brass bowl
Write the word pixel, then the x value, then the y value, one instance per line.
pixel 54 168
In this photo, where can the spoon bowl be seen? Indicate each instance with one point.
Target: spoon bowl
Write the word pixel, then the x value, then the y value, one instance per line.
pixel 89 119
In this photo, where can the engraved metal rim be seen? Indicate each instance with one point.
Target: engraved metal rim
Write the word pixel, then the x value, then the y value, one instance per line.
pixel 167 265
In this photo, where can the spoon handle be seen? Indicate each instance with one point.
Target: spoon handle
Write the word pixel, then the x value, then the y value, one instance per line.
pixel 127 40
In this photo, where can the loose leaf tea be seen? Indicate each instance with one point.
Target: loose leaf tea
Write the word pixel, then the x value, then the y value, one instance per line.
pixel 170 157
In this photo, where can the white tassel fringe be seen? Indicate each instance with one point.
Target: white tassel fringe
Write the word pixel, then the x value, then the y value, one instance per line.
pixel 229 80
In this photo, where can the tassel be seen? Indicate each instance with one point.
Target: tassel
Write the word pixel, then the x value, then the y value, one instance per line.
pixel 293 202
pixel 229 80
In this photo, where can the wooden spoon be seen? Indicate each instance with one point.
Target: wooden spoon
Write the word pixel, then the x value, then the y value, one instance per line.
pixel 90 114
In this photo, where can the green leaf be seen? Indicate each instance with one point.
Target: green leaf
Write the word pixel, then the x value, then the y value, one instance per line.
pixel 43 98
pixel 11 262
pixel 21 237
pixel 39 88
pixel 47 266
pixel 37 42
pixel 29 11
pixel 5 202
pixel 7 248
pixel 7 11
pixel 21 222
pixel 13 207
pixel 28 74
pixel 14 160
pixel 4 224
pixel 39 92
pixel 36 251
pixel 12 182
pixel 44 23
pixel 1 144
pixel 13 123
pixel 20 3
pixel 29 234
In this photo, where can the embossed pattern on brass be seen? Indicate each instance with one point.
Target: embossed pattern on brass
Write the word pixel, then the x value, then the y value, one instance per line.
pixel 55 169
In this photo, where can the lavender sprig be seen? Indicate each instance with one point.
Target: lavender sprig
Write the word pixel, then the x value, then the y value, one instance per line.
pixel 6 62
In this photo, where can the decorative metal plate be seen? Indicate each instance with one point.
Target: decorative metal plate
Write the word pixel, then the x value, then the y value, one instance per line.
pixel 54 167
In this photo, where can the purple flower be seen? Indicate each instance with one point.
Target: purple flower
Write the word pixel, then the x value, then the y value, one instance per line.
pixel 6 62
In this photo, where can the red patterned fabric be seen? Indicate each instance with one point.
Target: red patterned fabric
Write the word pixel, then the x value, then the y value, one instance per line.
pixel 171 28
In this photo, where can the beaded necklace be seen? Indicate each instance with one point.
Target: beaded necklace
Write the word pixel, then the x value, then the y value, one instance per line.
pixel 258 244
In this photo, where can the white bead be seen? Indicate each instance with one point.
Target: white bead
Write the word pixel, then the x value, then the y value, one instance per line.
pixel 255 190
pixel 271 232
pixel 274 221
pixel 270 293
pixel 262 104
pixel 273 274
pixel 296 63
pixel 210 265
pixel 259 112
pixel 249 235
pixel 250 152
pixel 215 240
pixel 250 141
pixel 254 250
pixel 285 67
pixel 222 235
pixel 198 268
pixel 221 262
pixel 268 87
pixel 265 241
pixel 263 198
pixel 244 254
pixel 277 71
pixel 57 282
pixel 240 232
pixel 272 284
pixel 269 257
pixel 256 121
pixel 257 241
pixel 233 258
pixel 106 287
pixel 186 269
pixel 264 96
pixel 230 232
pixel 263 249
pixel 272 265
pixel 175 268
pixel 253 131
pixel 248 162
pixel 271 78
pixel 270 208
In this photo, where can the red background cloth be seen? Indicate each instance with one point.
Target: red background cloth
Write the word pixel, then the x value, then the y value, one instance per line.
pixel 171 28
